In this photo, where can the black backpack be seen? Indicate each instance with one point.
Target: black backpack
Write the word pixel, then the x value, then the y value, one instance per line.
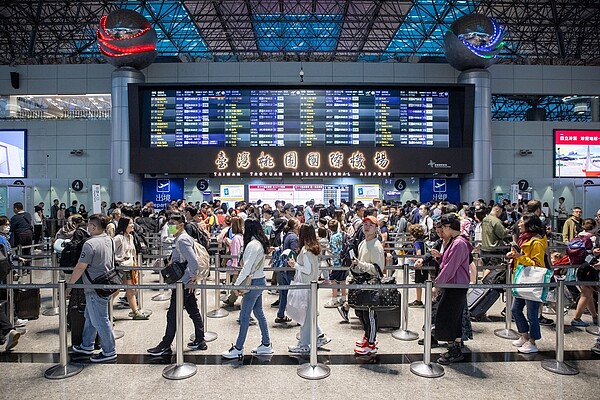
pixel 351 243
pixel 275 236
pixel 72 250
pixel 5 264
pixel 198 234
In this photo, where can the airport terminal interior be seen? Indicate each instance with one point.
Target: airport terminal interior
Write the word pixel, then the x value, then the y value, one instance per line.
pixel 237 105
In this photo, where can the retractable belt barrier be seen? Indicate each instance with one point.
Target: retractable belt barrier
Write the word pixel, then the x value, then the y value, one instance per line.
pixel 313 369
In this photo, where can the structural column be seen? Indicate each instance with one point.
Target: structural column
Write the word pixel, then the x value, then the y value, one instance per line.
pixel 478 185
pixel 125 186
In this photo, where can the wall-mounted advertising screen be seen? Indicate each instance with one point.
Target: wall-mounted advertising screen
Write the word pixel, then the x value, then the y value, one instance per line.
pixel 13 153
pixel 366 193
pixel 294 194
pixel 576 153
pixel 300 130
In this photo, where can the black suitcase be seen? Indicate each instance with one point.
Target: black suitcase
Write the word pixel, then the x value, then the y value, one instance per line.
pixel 480 301
pixel 76 317
pixel 389 319
pixel 27 303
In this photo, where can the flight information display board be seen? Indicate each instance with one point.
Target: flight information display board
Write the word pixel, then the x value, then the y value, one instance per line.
pixel 298 118
pixel 301 130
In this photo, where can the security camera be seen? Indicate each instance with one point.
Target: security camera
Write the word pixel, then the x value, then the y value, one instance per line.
pixel 301 75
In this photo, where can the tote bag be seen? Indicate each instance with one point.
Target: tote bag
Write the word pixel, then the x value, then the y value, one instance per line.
pixel 297 303
pixel 531 274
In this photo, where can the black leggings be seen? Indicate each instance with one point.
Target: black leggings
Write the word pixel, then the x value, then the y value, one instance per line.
pixel 449 316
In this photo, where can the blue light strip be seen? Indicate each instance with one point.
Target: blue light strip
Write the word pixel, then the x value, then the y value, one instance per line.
pixel 297 32
pixel 413 37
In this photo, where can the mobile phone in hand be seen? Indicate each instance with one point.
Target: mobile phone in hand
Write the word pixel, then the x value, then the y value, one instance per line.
pixel 516 247
pixel 351 252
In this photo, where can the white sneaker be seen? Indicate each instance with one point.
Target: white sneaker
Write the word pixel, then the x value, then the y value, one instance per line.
pixel 323 340
pixel 299 349
pixel 333 303
pixel 233 353
pixel 262 349
pixel 528 348
pixel 519 342
pixel 21 322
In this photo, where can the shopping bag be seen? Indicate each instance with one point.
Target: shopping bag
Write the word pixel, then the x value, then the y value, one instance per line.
pixel 297 303
pixel 531 274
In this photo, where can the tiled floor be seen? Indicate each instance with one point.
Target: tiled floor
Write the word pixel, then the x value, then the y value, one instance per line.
pixel 491 369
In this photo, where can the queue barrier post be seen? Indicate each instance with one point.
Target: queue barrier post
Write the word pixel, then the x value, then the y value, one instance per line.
pixel 558 365
pixel 507 332
pixel 403 333
pixel 65 369
pixel 595 329
pixel 139 292
pixel 426 368
pixel 218 312
pixel 52 311
pixel 179 370
pixel 313 370
pixel 209 336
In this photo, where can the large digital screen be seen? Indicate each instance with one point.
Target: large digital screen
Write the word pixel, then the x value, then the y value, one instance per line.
pixel 294 194
pixel 366 193
pixel 303 130
pixel 13 152
pixel 576 153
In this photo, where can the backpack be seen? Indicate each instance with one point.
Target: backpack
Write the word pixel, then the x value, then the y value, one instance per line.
pixel 140 243
pixel 577 249
pixel 5 264
pixel 203 260
pixel 276 258
pixel 351 242
pixel 275 236
pixel 197 234
pixel 69 257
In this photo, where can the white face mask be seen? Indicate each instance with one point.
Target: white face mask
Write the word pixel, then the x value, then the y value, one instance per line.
pixel 5 229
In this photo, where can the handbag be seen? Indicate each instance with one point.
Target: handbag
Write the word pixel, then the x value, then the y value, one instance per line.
pixel 381 299
pixel 531 274
pixel 297 303
pixel 173 272
pixel 248 279
pixel 112 277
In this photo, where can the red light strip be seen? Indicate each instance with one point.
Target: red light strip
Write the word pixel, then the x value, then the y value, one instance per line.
pixel 105 36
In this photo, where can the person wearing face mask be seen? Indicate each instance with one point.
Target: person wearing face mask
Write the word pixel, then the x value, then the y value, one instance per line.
pixel 183 251
pixel 60 214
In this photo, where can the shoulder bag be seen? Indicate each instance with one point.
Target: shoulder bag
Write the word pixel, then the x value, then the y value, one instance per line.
pixel 381 299
pixel 112 277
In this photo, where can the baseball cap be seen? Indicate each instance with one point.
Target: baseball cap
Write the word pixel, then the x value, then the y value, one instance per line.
pixel 370 219
pixel 288 206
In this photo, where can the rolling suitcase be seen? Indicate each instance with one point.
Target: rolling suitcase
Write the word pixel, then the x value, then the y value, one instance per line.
pixel 479 301
pixel 388 319
pixel 27 303
pixel 76 317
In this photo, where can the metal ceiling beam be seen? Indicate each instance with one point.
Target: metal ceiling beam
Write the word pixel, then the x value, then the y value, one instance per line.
pixel 559 33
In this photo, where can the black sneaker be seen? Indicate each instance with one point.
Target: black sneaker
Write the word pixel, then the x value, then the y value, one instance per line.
pixel 343 313
pixel 78 349
pixel 275 304
pixel 160 351
pixel 416 304
pixel 283 320
pixel 195 345
pixel 434 343
pixel 100 358
pixel 546 321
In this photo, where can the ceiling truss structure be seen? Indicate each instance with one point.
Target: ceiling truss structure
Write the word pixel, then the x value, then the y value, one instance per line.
pixel 548 32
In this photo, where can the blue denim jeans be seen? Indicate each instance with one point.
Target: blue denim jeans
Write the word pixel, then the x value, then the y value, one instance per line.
pixel 532 323
pixel 97 322
pixel 252 302
pixel 283 278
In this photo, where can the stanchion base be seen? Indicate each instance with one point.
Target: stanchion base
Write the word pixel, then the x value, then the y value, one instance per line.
pixel 161 297
pixel 218 313
pixel 405 335
pixel 145 311
pixel 313 372
pixel 210 336
pixel 559 367
pixel 431 370
pixel 593 330
pixel 118 334
pixel 177 372
pixel 506 334
pixel 50 312
pixel 61 372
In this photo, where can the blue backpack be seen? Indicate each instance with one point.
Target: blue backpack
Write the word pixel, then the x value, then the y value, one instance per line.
pixel 276 258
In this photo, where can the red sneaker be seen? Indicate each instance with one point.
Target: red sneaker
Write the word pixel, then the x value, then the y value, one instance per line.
pixel 362 342
pixel 367 349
